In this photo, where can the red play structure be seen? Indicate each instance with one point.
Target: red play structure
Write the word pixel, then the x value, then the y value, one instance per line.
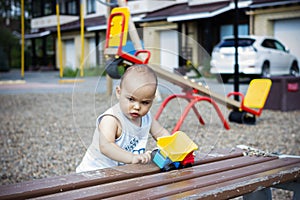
pixel 116 37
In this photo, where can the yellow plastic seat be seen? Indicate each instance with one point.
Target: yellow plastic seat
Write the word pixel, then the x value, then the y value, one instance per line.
pixel 118 25
pixel 257 93
pixel 256 96
pixel 116 37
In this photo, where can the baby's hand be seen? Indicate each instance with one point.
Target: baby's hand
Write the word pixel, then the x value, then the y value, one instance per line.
pixel 141 158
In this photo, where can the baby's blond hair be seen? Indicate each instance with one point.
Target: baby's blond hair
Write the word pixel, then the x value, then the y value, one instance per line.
pixel 141 69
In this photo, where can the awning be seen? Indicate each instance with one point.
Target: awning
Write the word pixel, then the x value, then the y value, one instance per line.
pixel 96 28
pixel 32 35
pixel 36 35
pixel 200 15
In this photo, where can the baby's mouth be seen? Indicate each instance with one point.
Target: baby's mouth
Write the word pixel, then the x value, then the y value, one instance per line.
pixel 135 115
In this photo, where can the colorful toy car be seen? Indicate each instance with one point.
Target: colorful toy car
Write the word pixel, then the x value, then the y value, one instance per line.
pixel 174 152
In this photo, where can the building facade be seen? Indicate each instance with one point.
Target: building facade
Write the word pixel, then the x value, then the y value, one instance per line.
pixel 173 30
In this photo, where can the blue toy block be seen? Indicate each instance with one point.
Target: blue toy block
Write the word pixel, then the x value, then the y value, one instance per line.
pixel 160 160
pixel 176 164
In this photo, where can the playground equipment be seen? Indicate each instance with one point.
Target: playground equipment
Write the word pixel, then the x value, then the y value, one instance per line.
pixel 252 103
pixel 116 37
pixel 117 29
pixel 192 97
pixel 174 151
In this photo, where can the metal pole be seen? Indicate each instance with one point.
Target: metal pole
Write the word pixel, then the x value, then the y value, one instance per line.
pixel 109 82
pixel 236 64
pixel 82 38
pixel 61 70
pixel 22 39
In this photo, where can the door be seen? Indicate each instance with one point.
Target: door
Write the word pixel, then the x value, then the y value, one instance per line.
pixel 70 59
pixel 273 55
pixel 169 50
pixel 91 62
pixel 284 58
pixel 288 31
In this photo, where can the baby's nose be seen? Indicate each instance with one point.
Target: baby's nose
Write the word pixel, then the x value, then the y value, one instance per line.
pixel 136 105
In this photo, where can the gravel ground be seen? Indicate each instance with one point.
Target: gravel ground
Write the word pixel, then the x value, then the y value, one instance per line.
pixel 44 135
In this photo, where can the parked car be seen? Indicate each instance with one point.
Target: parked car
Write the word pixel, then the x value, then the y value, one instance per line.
pixel 257 56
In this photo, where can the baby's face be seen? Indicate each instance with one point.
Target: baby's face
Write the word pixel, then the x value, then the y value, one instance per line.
pixel 136 98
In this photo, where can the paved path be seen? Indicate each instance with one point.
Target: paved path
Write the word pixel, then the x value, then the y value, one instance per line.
pixel 49 82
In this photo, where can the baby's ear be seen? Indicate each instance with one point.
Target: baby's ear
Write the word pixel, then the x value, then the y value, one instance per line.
pixel 118 91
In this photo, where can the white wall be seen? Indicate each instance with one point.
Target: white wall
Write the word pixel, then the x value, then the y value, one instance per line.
pixel 288 32
pixel 169 50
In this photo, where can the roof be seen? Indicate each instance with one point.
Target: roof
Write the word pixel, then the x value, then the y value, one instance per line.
pixel 176 12
pixel 75 25
pixel 185 12
pixel 184 9
pixel 272 3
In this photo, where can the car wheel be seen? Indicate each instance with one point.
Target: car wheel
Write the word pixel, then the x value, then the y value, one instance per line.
pixel 265 71
pixel 168 167
pixel 294 70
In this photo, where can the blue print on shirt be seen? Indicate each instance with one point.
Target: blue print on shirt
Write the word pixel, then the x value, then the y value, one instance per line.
pixel 132 144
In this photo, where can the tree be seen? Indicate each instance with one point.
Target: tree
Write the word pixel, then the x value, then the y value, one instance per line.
pixel 10 24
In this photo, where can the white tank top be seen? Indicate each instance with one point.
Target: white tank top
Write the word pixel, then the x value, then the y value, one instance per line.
pixel 133 139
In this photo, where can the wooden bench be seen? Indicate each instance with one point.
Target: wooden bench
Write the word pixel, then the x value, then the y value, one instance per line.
pixel 219 174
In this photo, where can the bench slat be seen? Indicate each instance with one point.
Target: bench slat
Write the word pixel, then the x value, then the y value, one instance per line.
pixel 211 179
pixel 58 184
pixel 73 181
pixel 241 186
pixel 158 179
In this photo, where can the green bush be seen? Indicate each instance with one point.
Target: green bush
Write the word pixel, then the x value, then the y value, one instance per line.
pixel 91 71
pixel 69 72
pixel 94 71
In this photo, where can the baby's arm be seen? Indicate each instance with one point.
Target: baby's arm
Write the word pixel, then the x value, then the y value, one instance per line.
pixel 157 130
pixel 109 130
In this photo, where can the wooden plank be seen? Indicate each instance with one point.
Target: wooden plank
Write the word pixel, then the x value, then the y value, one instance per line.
pixel 58 184
pixel 73 181
pixel 158 179
pixel 188 84
pixel 202 157
pixel 269 167
pixel 245 185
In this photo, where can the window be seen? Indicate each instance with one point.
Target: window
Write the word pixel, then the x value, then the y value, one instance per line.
pixel 90 6
pixel 49 7
pixel 227 30
pixel 268 44
pixel 279 46
pixel 36 9
pixel 71 7
pixel 241 42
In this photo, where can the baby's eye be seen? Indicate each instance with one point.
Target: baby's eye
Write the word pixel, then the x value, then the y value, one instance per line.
pixel 146 102
pixel 130 99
